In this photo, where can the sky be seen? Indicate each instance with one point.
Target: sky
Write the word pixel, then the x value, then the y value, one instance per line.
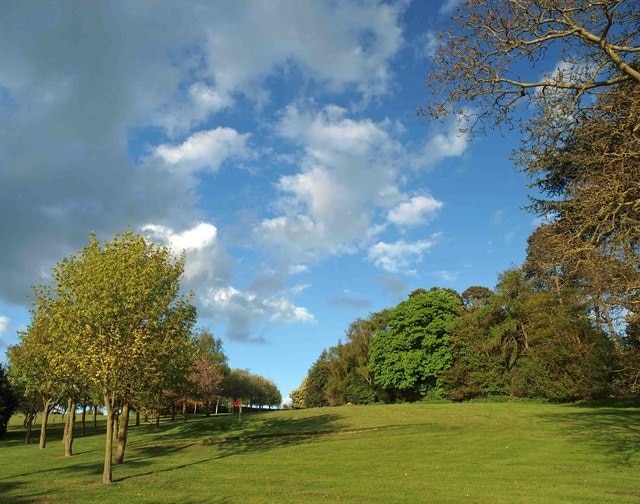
pixel 275 142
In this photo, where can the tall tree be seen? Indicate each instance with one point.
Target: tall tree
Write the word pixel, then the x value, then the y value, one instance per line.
pixel 117 310
pixel 409 356
pixel 528 341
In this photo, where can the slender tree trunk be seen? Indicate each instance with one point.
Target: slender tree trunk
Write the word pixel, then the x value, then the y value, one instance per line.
pixel 217 404
pixel 123 431
pixel 184 410
pixel 84 417
pixel 28 424
pixel 116 423
pixel 137 417
pixel 68 428
pixel 107 475
pixel 47 405
pixel 95 419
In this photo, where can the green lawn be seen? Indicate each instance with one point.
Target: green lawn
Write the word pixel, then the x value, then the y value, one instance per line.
pixel 473 452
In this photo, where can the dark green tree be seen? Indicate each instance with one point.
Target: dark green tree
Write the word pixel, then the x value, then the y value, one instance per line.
pixel 316 382
pixel 8 401
pixel 409 356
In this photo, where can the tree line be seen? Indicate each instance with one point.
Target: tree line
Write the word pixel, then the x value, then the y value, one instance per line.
pixel 112 330
pixel 564 325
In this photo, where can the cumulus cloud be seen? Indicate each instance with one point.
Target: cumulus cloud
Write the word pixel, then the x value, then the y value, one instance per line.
pixel 205 149
pixel 348 168
pixel 400 256
pixel 163 76
pixel 418 210
pixel 206 259
pixel 244 311
pixel 451 141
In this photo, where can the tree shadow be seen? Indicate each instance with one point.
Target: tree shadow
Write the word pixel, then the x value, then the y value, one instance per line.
pixel 258 435
pixel 12 486
pixel 614 431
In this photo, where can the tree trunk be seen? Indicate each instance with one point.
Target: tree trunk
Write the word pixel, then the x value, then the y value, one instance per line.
pixel 68 428
pixel 95 419
pixel 137 417
pixel 123 431
pixel 217 404
pixel 28 424
pixel 612 330
pixel 84 417
pixel 184 410
pixel 47 405
pixel 107 476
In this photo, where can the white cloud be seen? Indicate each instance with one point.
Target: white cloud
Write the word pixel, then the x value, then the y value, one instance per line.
pixel 452 142
pixel 400 256
pixel 205 149
pixel 200 236
pixel 244 311
pixel 418 210
pixel 348 170
pixel 206 260
pixel 4 324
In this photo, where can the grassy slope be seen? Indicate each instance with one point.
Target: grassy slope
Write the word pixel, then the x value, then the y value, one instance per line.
pixel 509 452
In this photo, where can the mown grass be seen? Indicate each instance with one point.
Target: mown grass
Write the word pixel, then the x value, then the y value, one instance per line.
pixel 474 452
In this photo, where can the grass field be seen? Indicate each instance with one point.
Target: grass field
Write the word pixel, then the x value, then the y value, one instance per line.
pixel 473 452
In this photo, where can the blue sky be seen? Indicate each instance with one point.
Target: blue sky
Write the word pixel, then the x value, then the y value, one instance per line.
pixel 274 142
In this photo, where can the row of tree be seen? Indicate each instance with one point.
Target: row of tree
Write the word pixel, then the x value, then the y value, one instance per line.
pixel 113 330
pixel 522 339
pixel 566 324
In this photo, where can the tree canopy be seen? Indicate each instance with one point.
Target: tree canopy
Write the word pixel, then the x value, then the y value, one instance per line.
pixel 116 312
pixel 409 355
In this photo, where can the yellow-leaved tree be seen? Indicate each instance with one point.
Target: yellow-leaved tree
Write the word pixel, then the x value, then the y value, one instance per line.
pixel 117 311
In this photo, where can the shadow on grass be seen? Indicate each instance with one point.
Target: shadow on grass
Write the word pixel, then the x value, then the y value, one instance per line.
pixel 13 487
pixel 258 433
pixel 614 431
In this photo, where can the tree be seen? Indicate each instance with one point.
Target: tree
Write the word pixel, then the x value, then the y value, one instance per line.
pixel 528 341
pixel 116 310
pixel 478 68
pixel 32 366
pixel 209 368
pixel 298 396
pixel 410 354
pixel 8 401
pixel 206 376
pixel 316 382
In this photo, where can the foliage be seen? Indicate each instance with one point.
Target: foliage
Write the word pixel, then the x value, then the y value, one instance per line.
pixel 408 357
pixel 8 401
pixel 316 382
pixel 252 389
pixel 116 312
pixel 527 341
